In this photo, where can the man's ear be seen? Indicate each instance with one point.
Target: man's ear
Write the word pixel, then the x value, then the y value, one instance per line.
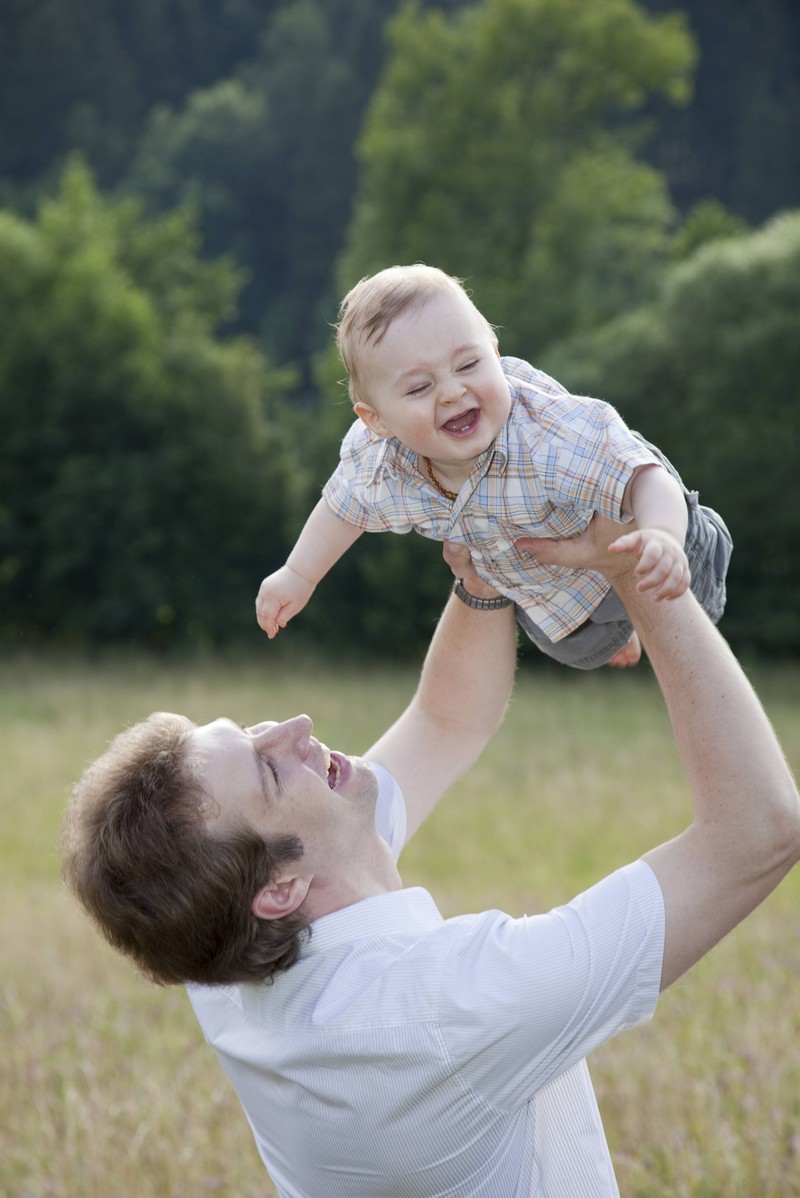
pixel 371 418
pixel 280 898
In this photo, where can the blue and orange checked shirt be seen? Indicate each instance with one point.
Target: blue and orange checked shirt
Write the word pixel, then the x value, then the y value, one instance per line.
pixel 558 459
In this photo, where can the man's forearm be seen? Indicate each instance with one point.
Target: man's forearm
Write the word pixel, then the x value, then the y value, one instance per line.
pixel 459 703
pixel 746 833
pixel 469 672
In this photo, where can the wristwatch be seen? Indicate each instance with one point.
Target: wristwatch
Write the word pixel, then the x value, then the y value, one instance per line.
pixel 479 604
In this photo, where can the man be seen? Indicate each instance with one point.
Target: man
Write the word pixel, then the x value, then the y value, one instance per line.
pixel 395 1053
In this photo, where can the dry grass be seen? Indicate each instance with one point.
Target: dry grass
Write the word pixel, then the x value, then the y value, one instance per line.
pixel 107 1087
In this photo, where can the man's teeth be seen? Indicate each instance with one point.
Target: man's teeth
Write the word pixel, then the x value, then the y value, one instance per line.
pixel 331 766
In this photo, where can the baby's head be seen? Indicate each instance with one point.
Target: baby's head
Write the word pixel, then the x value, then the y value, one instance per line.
pixel 370 307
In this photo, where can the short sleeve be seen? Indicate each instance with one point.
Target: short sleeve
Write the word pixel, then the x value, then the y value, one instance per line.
pixel 525 999
pixel 593 458
pixel 353 493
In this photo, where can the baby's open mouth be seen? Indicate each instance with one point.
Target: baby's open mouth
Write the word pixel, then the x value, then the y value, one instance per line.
pixel 463 423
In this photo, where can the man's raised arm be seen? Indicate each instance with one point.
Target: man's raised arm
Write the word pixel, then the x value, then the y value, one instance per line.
pixel 745 836
pixel 460 701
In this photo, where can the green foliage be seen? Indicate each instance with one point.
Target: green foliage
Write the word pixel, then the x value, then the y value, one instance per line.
pixel 488 151
pixel 707 221
pixel 265 156
pixel 140 483
pixel 505 142
pixel 709 373
pixel 83 76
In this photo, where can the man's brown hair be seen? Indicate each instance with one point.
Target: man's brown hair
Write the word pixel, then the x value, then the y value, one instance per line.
pixel 136 851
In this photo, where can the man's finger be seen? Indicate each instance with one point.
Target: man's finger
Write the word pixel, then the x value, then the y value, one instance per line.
pixel 456 556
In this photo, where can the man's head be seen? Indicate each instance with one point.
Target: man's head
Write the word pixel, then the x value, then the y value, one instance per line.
pixel 165 879
pixel 422 363
pixel 184 843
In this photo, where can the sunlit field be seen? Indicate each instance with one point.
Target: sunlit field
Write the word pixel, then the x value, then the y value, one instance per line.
pixel 107 1087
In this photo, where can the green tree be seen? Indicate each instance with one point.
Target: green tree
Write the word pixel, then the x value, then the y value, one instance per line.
pixel 83 76
pixel 709 373
pixel 142 487
pixel 500 146
pixel 266 157
pixel 216 154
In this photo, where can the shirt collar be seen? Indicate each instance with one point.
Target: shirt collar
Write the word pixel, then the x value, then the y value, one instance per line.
pixel 500 458
pixel 395 460
pixel 409 910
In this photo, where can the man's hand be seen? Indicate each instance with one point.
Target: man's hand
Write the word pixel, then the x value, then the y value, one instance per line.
pixel 661 566
pixel 281 596
pixel 459 560
pixel 590 550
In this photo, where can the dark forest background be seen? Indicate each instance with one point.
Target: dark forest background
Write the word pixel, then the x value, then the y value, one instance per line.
pixel 188 186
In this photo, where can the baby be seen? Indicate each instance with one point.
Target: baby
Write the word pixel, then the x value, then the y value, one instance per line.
pixel 462 445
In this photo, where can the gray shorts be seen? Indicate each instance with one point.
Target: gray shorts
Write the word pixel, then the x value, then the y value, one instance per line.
pixel 708 548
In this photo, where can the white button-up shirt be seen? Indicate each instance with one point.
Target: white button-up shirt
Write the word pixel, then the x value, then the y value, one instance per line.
pixel 409 1056
pixel 558 459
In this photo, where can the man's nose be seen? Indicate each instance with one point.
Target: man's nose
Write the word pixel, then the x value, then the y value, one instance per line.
pixel 295 732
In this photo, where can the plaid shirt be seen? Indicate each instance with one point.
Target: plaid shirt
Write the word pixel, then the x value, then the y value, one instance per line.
pixel 558 459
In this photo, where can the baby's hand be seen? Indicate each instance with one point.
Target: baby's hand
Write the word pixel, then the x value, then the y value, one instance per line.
pixel 662 566
pixel 281 596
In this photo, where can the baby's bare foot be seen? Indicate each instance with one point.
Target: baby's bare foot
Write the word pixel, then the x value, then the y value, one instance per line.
pixel 628 655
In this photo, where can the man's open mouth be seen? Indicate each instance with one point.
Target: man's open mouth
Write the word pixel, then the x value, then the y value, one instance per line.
pixel 333 766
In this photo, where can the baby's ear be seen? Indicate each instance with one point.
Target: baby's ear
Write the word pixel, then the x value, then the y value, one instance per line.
pixel 372 419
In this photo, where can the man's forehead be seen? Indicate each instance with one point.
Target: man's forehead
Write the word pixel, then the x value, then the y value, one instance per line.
pixel 222 725
pixel 226 765
pixel 214 730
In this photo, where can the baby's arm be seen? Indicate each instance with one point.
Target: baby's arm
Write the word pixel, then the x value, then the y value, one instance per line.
pixel 658 506
pixel 323 540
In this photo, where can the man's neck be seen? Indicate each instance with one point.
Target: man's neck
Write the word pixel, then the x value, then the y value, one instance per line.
pixel 370 879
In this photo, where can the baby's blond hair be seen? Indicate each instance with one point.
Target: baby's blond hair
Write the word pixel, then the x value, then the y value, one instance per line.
pixel 369 308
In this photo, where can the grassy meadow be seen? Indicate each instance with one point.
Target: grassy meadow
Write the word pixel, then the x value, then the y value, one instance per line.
pixel 107 1087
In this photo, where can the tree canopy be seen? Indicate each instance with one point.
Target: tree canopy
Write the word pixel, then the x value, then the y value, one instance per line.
pixel 490 150
pixel 136 460
pixel 703 372
pixel 168 386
